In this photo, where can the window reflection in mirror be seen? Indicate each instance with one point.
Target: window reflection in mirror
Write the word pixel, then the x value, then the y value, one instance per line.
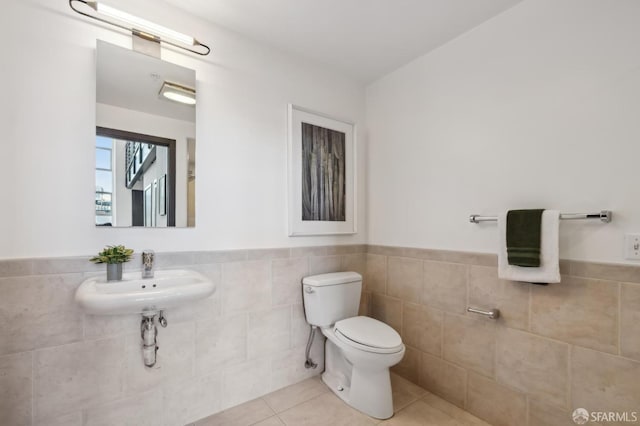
pixel 145 143
pixel 135 180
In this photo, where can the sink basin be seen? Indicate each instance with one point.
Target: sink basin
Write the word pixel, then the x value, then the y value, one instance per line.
pixel 134 295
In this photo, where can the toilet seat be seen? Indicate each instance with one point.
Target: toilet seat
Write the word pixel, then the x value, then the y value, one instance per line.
pixel 369 335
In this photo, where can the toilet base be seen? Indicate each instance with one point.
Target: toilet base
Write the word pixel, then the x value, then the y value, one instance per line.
pixel 366 390
pixel 373 393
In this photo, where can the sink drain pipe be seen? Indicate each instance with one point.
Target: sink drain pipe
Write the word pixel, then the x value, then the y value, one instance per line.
pixel 149 334
pixel 309 362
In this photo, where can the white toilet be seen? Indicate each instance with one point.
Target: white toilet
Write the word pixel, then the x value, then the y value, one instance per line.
pixel 358 350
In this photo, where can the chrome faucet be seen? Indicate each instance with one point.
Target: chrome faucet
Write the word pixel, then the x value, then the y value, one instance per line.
pixel 147 263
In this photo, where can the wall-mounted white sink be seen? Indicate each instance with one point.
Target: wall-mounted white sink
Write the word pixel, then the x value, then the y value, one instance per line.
pixel 134 295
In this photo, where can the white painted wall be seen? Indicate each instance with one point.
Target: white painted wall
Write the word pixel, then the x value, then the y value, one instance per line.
pixel 539 106
pixel 48 124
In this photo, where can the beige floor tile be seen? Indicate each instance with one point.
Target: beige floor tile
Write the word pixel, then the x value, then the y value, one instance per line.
pixel 404 392
pixel 309 403
pixel 324 410
pixel 245 414
pixel 291 396
pixel 457 413
pixel 421 414
pixel 271 421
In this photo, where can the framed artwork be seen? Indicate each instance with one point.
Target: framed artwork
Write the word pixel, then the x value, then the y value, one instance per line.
pixel 322 174
pixel 162 196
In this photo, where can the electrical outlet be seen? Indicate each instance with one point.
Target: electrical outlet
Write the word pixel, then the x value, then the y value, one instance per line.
pixel 632 246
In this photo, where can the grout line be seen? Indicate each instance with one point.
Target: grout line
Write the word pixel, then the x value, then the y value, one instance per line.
pixel 530 306
pixel 386 275
pixel 444 315
pixel 327 390
pixel 33 388
pixel 271 283
pixel 466 288
pixel 194 368
pixel 402 331
pixel 619 319
pixel 495 356
pixel 269 405
pixel 569 377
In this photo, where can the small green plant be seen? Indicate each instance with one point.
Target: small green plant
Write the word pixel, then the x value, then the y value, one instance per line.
pixel 113 254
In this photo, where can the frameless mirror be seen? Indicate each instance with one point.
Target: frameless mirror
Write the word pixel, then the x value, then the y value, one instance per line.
pixel 145 140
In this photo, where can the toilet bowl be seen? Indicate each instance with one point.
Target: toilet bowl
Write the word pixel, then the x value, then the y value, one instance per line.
pixel 359 350
pixel 363 380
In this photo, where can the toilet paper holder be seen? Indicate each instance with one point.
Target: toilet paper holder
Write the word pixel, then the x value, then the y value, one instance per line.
pixel 492 313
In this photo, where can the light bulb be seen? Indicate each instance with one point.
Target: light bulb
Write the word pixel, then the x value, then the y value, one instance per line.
pixel 144 25
pixel 179 97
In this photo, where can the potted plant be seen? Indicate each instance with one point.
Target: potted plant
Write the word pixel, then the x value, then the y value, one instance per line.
pixel 114 257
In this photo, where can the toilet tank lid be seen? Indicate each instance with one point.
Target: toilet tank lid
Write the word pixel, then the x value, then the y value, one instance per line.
pixel 333 278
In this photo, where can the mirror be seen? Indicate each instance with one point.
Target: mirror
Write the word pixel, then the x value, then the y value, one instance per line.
pixel 145 140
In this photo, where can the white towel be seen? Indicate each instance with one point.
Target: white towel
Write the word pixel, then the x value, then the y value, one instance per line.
pixel 549 270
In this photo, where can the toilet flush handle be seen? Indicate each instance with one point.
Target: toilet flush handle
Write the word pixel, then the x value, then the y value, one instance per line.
pixel 309 290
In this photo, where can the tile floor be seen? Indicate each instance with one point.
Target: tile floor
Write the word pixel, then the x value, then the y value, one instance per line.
pixel 311 403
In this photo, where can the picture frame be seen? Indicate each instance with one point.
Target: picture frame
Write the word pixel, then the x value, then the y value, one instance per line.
pixel 322 196
pixel 162 195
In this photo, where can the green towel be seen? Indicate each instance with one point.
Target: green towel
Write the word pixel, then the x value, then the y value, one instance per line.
pixel 523 237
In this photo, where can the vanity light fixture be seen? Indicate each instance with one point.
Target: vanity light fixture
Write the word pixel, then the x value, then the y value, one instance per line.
pixel 140 27
pixel 178 93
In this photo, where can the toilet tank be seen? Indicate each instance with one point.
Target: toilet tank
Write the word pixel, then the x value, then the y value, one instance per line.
pixel 331 297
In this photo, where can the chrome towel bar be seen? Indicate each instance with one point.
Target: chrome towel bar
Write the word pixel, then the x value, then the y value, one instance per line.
pixel 493 313
pixel 604 216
